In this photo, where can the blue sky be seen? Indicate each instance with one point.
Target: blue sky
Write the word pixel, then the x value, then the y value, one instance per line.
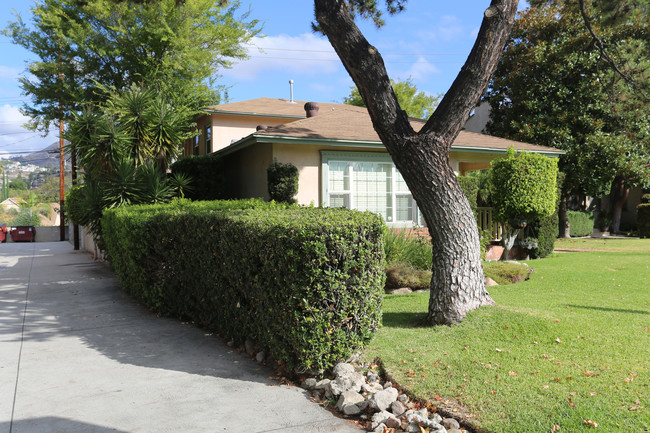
pixel 428 43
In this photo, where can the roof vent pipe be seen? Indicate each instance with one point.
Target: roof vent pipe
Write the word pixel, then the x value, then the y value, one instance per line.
pixel 291 90
pixel 311 109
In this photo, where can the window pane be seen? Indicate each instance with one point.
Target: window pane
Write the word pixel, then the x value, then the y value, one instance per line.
pixel 400 185
pixel 339 176
pixel 340 200
pixel 404 208
pixel 372 188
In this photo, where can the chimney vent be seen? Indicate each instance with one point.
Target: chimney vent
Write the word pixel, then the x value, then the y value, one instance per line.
pixel 291 91
pixel 311 109
pixel 261 128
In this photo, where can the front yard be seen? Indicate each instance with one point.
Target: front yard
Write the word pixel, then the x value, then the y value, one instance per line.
pixel 563 352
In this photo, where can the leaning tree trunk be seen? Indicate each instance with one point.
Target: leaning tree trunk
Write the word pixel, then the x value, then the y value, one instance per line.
pixel 617 198
pixel 422 157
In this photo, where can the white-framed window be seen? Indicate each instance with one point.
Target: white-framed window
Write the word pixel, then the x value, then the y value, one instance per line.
pixel 207 138
pixel 368 181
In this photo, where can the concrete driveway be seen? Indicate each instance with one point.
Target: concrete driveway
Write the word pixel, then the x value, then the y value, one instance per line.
pixel 78 355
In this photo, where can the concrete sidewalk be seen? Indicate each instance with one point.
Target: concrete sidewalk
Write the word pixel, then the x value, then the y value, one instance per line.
pixel 78 355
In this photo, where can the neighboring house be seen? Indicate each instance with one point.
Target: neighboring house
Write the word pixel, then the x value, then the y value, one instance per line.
pixel 341 161
pixel 11 203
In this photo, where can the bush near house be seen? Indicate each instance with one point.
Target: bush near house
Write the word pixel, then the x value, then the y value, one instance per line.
pixel 282 181
pixel 582 223
pixel 206 173
pixel 306 284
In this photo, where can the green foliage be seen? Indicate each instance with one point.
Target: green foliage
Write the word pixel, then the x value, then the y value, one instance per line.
pixel 545 230
pixel 507 272
pixel 174 46
pixel 304 283
pixel 416 103
pixel 553 87
pixel 470 186
pixel 525 186
pixel 206 173
pixel 400 274
pixel 643 220
pixel 282 181
pixel 645 198
pixel 404 246
pixel 582 223
pixel 18 184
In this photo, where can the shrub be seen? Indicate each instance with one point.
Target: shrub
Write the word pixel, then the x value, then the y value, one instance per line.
pixel 507 272
pixel 546 229
pixel 582 223
pixel 306 284
pixel 408 247
pixel 206 174
pixel 643 219
pixel 282 181
pixel 400 274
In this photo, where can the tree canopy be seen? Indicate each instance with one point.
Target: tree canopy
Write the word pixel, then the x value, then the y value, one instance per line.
pixel 416 103
pixel 86 47
pixel 554 87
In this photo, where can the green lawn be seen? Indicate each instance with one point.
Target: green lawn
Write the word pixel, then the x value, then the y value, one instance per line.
pixel 570 345
pixel 617 245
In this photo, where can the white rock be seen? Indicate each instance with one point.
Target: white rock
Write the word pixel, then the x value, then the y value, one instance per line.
pixel 260 357
pixel 383 399
pixel 343 369
pixel 349 398
pixel 371 388
pixel 309 383
pixel 351 382
pixel 322 384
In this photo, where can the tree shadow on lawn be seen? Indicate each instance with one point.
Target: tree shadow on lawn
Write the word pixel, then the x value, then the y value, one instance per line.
pixel 613 310
pixel 404 320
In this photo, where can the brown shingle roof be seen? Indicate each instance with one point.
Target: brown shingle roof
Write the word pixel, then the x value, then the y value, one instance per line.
pixel 342 124
pixel 270 107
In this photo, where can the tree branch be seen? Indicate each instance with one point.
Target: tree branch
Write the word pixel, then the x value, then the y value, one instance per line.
pixel 601 46
pixel 364 64
pixel 474 77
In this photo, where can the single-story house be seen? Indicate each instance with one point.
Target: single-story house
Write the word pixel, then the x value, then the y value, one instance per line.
pixel 340 159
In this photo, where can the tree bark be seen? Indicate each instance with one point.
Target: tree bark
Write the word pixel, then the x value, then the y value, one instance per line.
pixel 617 198
pixel 564 224
pixel 458 284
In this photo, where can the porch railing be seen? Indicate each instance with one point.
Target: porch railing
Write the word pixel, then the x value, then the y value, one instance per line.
pixel 487 222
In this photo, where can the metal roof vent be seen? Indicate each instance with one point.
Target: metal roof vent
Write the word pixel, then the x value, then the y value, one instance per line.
pixel 311 109
pixel 261 128
pixel 291 101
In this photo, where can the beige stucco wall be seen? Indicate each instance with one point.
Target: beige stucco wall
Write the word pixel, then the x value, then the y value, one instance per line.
pixel 246 171
pixel 229 128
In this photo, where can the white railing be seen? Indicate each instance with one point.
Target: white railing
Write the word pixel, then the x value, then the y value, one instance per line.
pixel 487 222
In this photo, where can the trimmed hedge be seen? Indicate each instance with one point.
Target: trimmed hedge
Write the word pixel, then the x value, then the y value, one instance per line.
pixel 643 219
pixel 545 230
pixel 282 181
pixel 305 284
pixel 206 173
pixel 581 223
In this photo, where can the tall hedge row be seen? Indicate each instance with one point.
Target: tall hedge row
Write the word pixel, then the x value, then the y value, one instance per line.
pixel 643 216
pixel 304 283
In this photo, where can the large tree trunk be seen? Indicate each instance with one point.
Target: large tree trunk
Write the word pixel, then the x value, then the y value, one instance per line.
pixel 457 285
pixel 617 198
pixel 564 224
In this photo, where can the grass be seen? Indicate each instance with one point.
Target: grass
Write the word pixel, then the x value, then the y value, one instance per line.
pixel 569 345
pixel 617 245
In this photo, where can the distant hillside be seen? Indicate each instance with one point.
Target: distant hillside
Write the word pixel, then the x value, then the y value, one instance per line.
pixel 47 158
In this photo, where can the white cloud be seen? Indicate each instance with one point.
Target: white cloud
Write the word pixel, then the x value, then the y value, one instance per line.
pixel 303 54
pixel 421 69
pixel 7 72
pixel 10 114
